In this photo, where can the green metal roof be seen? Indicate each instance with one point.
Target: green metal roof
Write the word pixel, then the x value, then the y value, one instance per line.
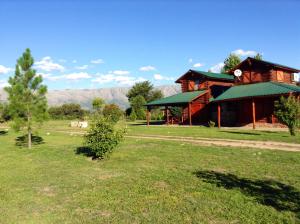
pixel 179 98
pixel 215 75
pixel 257 89
pixel 210 75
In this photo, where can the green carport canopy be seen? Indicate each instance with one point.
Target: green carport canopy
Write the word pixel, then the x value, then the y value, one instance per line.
pixel 257 90
pixel 180 98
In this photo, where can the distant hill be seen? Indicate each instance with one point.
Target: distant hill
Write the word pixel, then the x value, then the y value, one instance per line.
pixel 84 97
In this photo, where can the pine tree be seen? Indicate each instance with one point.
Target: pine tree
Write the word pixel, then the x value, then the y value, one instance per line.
pixel 98 105
pixel 26 96
pixel 230 62
pixel 258 56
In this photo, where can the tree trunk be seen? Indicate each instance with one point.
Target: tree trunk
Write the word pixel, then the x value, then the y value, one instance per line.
pixel 292 130
pixel 29 139
pixel 29 127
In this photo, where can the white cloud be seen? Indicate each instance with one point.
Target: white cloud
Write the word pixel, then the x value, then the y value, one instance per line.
pixel 3 83
pixel 119 79
pixel 97 61
pixel 120 72
pixel 217 68
pixel 74 61
pixel 72 76
pixel 190 60
pixel 161 77
pixel 197 65
pixel 147 68
pixel 47 64
pixel 77 76
pixel 4 70
pixel 83 67
pixel 51 77
pixel 62 60
pixel 242 52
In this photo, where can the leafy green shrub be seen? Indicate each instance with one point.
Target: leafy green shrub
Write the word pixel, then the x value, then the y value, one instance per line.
pixel 176 112
pixel 211 124
pixel 112 112
pixel 102 137
pixel 132 116
pixel 157 114
pixel 287 110
pixel 67 111
pixel 4 113
pixel 137 104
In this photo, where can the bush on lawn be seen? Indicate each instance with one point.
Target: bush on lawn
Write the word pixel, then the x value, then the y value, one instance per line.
pixel 287 110
pixel 67 111
pixel 112 112
pixel 132 116
pixel 157 114
pixel 176 112
pixel 103 137
pixel 211 124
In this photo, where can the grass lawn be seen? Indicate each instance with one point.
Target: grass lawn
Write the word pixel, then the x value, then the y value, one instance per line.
pixel 147 181
pixel 137 128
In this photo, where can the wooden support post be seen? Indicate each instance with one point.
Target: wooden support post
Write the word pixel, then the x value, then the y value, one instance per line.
pixel 148 116
pixel 167 114
pixel 219 115
pixel 253 113
pixel 190 114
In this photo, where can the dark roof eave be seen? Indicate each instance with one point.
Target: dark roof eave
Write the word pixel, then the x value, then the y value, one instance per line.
pixel 179 79
pixel 166 104
pixel 264 62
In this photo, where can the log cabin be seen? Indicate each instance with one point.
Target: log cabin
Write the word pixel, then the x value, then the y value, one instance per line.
pixel 227 99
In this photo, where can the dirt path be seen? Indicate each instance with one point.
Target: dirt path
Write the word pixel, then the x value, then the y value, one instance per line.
pixel 224 142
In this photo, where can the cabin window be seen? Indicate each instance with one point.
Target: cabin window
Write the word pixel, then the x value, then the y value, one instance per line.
pixel 280 76
pixel 191 85
pixel 197 82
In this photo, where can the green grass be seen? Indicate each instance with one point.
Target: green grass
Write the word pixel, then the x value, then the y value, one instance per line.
pixel 205 132
pixel 145 181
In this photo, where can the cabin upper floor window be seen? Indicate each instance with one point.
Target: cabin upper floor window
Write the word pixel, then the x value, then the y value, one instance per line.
pixel 197 85
pixel 280 76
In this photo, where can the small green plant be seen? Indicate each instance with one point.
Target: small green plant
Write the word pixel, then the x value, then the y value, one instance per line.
pixel 287 110
pixel 137 105
pixel 103 137
pixel 176 112
pixel 112 112
pixel 132 116
pixel 211 124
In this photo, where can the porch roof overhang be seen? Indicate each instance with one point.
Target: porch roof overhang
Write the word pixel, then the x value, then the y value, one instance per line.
pixel 207 75
pixel 263 89
pixel 178 99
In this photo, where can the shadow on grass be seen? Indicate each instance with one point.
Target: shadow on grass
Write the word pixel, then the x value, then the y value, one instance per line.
pixel 85 151
pixel 272 193
pixel 241 133
pixel 22 141
pixel 145 123
pixel 3 132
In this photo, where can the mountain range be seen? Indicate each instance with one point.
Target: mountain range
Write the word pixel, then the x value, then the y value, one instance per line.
pixel 84 97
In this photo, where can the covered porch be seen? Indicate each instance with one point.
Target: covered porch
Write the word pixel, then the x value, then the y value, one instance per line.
pixel 253 103
pixel 189 102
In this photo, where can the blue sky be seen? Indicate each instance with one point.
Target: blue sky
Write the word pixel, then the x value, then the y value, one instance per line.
pixel 96 44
